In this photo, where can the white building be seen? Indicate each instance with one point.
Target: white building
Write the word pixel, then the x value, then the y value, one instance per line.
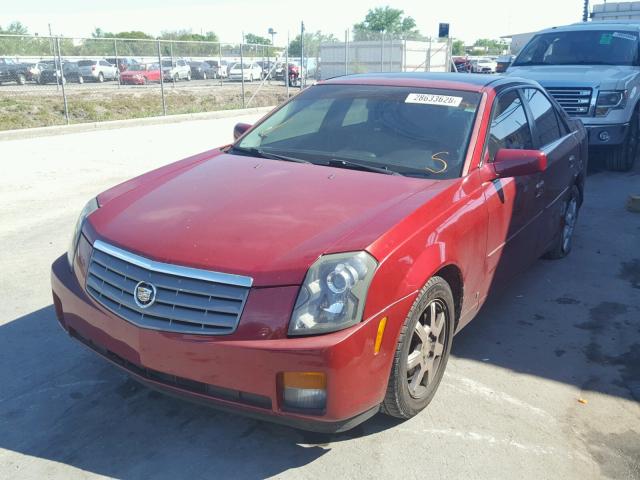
pixel 338 58
pixel 616 11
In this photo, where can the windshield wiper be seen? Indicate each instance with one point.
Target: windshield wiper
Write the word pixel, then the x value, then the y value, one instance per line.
pixel 338 162
pixel 257 152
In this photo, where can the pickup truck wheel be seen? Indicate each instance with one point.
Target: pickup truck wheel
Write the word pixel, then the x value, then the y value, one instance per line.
pixel 562 245
pixel 21 79
pixel 80 80
pixel 622 157
pixel 100 77
pixel 422 351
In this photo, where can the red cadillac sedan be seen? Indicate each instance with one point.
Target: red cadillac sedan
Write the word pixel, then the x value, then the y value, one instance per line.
pixel 315 272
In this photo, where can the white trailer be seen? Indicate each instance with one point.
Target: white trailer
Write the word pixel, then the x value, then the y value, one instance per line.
pixel 340 58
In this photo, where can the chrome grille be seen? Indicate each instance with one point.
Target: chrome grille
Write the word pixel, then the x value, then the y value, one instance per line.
pixel 575 101
pixel 187 300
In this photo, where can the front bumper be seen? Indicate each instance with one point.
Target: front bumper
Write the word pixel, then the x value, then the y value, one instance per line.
pixel 614 134
pixel 240 372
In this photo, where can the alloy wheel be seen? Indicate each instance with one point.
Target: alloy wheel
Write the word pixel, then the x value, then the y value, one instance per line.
pixel 570 216
pixel 428 341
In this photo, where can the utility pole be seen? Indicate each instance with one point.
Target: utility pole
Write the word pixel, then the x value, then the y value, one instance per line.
pixel 585 11
pixel 271 32
pixel 301 53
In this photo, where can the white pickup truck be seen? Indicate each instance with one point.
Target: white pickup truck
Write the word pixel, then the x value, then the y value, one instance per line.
pixel 592 69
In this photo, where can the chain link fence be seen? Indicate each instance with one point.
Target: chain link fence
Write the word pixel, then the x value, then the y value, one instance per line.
pixel 60 80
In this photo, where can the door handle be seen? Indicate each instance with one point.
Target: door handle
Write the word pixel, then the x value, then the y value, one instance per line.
pixel 539 188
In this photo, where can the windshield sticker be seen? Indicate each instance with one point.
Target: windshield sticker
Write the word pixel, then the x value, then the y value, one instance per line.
pixel 431 99
pixel 605 39
pixel 625 36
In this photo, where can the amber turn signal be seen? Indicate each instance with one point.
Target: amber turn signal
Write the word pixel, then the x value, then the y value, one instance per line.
pixel 381 326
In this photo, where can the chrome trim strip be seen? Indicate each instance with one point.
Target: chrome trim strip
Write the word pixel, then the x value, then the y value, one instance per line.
pixel 170 269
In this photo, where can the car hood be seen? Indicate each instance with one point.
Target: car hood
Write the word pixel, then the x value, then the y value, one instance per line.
pixel 604 77
pixel 267 219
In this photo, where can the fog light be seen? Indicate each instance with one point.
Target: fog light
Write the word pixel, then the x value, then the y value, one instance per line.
pixel 304 390
pixel 604 136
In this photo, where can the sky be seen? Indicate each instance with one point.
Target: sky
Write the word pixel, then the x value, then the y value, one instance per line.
pixel 469 19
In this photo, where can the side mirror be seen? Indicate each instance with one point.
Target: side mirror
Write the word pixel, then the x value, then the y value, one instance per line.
pixel 516 163
pixel 240 130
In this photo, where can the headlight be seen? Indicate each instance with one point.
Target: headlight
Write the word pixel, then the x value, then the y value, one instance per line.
pixel 610 100
pixel 333 294
pixel 90 207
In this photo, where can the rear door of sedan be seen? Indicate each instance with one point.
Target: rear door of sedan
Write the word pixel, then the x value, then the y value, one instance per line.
pixel 551 135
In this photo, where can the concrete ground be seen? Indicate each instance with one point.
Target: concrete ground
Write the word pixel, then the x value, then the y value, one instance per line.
pixel 544 383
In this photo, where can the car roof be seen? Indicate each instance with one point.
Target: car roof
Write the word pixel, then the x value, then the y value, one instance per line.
pixel 454 81
pixel 629 25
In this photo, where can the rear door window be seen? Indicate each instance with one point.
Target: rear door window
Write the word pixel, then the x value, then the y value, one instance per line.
pixel 544 116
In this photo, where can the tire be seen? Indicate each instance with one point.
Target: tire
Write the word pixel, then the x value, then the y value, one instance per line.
pixel 64 80
pixel 176 78
pixel 80 80
pixel 21 79
pixel 144 80
pixel 623 157
pixel 188 76
pixel 100 77
pixel 562 245
pixel 204 75
pixel 425 340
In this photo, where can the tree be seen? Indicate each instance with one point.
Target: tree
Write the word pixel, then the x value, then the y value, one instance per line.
pixel 490 46
pixel 252 38
pixel 188 35
pixel 312 43
pixel 15 28
pixel 457 47
pixel 387 20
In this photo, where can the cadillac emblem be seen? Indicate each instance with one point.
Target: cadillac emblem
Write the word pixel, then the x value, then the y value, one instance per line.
pixel 144 294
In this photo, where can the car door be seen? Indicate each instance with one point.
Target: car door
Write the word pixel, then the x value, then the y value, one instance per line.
pixel 513 204
pixel 563 154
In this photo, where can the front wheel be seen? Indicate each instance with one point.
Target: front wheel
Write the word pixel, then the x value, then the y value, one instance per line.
pixel 189 77
pixel 100 77
pixel 422 351
pixel 622 157
pixel 21 79
pixel 80 80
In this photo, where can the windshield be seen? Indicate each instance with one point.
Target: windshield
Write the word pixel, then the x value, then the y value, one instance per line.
pixel 86 63
pixel 137 68
pixel 586 47
pixel 420 132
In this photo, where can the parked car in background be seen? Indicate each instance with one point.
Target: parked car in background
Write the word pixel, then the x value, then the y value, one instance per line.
pixel 503 62
pixel 12 71
pixel 176 70
pixel 220 67
pixel 32 71
pixel 592 69
pixel 51 73
pixel 141 74
pixel 249 70
pixel 266 66
pixel 462 64
pixel 327 285
pixel 484 65
pixel 123 63
pixel 98 70
pixel 202 70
